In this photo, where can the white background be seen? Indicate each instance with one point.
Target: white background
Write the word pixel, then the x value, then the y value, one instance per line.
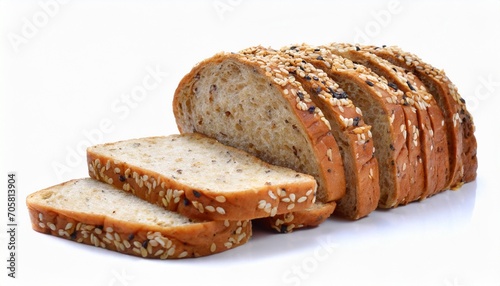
pixel 75 73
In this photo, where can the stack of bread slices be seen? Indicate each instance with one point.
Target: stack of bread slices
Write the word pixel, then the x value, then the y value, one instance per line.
pixel 282 138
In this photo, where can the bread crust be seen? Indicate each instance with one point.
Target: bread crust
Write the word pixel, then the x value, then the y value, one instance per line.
pixel 462 144
pixel 203 204
pixel 311 217
pixel 354 139
pixel 134 238
pixel 331 179
pixel 346 73
pixel 428 148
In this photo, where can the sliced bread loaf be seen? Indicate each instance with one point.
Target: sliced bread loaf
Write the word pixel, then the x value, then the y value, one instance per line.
pixel 347 124
pixel 381 109
pixel 427 140
pixel 200 177
pixel 256 106
pixel 94 213
pixel 462 144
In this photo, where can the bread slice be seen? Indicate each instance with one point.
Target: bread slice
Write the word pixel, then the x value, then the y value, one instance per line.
pixel 94 213
pixel 257 107
pixel 200 177
pixel 381 110
pixel 349 129
pixel 288 222
pixel 423 116
pixel 462 144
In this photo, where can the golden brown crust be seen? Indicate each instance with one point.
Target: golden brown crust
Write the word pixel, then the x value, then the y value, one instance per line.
pixel 312 217
pixel 459 124
pixel 175 196
pixel 345 72
pixel 331 180
pixel 427 143
pixel 134 238
pixel 348 127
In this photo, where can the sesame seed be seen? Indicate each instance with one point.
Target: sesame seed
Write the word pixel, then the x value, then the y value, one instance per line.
pixel 171 251
pixel 309 192
pixel 213 247
pixel 40 217
pixel 108 165
pixel 183 254
pixel 160 241
pixel 261 204
pixel 126 244
pixel 144 252
pixel 267 208
pixel 226 223
pixel 210 208
pixel 241 237
pixel 228 244
pixel 51 226
pixel 272 195
pixel 220 210
pixel 290 206
pixel 109 236
pixel 41 224
pixel 274 211
pixel 220 199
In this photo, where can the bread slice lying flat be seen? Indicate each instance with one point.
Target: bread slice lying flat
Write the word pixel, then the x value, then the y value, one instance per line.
pixel 200 178
pixel 94 213
pixel 459 124
pixel 254 105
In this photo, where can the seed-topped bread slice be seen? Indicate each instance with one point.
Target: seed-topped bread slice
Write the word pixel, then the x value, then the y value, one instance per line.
pixel 458 122
pixel 200 177
pixel 346 121
pixel 94 213
pixel 381 110
pixel 257 107
pixel 431 169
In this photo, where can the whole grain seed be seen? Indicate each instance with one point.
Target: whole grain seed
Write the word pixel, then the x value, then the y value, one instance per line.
pixel 220 199
pixel 221 210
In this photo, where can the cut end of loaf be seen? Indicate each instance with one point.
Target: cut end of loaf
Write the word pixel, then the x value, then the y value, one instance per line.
pixel 236 101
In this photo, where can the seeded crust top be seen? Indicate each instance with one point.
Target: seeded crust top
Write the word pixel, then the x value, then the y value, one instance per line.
pixel 417 63
pixel 291 87
pixel 349 115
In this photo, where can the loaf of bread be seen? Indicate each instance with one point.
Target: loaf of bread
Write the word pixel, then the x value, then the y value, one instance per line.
pixel 200 178
pixel 94 213
pixel 283 137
